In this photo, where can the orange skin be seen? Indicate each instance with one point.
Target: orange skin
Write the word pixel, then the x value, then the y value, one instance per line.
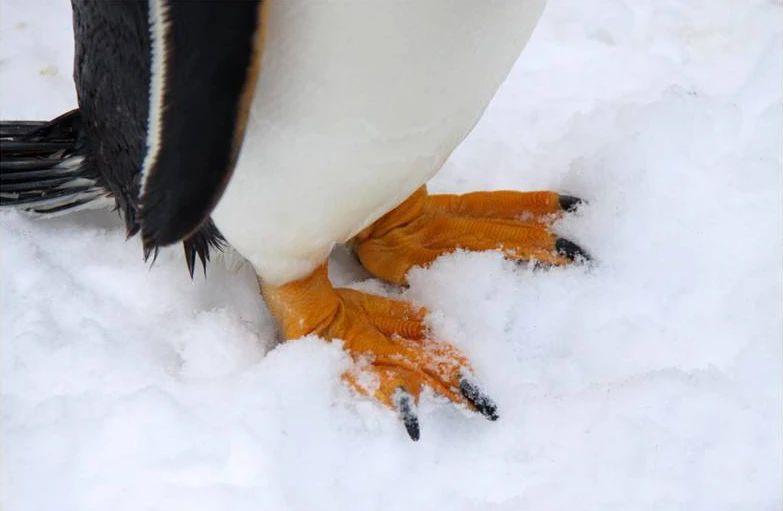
pixel 391 333
pixel 388 336
pixel 424 227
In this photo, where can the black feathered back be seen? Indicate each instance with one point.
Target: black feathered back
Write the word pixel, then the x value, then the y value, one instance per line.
pixel 112 73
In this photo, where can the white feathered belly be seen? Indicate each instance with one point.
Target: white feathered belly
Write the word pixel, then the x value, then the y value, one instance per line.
pixel 358 103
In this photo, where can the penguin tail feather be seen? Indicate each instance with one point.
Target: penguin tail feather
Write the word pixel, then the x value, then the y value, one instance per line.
pixel 43 169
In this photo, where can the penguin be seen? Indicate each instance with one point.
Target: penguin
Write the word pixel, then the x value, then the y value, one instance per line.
pixel 283 128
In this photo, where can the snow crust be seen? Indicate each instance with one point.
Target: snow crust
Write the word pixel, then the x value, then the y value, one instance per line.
pixel 651 380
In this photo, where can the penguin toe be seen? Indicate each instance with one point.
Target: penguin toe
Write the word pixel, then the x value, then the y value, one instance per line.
pixel 569 203
pixel 571 250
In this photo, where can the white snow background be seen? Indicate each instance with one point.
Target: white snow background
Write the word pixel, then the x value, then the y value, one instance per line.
pixel 650 381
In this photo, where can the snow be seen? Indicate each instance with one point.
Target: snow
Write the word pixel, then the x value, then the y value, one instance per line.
pixel 650 380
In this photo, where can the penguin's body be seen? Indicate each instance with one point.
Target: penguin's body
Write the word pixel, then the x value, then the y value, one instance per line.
pixel 331 116
pixel 350 107
pixel 356 106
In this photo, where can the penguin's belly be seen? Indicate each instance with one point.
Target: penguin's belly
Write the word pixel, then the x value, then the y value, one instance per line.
pixel 358 103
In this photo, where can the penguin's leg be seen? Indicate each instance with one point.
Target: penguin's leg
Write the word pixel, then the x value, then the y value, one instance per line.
pixel 395 358
pixel 425 227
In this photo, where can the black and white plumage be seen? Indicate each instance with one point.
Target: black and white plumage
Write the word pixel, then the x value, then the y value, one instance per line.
pixel 355 106
pixel 110 148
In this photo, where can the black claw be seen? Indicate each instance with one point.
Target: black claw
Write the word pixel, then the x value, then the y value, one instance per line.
pixel 570 250
pixel 407 412
pixel 483 404
pixel 570 203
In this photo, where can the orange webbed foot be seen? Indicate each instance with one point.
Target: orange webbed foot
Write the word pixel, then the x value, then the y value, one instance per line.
pixel 427 226
pixel 395 357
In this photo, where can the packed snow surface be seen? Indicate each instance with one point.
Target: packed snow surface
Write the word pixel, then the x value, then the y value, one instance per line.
pixel 650 380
